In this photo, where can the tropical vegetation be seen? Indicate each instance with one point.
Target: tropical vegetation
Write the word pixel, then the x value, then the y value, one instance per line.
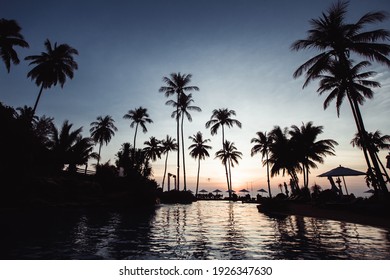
pixel 337 40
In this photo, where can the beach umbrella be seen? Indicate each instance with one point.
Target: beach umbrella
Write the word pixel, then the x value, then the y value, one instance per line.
pixel 244 191
pixel 217 191
pixel 262 190
pixel 342 172
pixel 203 191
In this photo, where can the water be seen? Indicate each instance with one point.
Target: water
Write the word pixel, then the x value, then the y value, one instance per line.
pixel 202 230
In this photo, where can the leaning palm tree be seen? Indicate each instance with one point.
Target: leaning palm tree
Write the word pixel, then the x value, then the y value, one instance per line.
pixel 378 141
pixel 184 108
pixel 220 118
pixel 102 130
pixel 167 145
pixel 348 81
pixel 10 37
pixel 336 40
pixel 52 67
pixel 229 155
pixel 199 151
pixel 177 84
pixel 309 151
pixel 152 149
pixel 262 145
pixel 139 116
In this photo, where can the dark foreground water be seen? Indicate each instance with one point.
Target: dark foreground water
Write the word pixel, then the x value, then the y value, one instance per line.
pixel 203 230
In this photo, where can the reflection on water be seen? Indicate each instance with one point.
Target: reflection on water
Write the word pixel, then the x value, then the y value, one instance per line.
pixel 202 230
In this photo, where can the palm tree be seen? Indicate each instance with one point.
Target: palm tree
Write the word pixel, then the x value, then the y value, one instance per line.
pixel 199 151
pixel 353 84
pixel 262 145
pixel 139 116
pixel 378 141
pixel 184 108
pixel 52 66
pixel 308 150
pixel 283 157
pixel 102 130
pixel 152 149
pixel 69 147
pixel 220 118
pixel 167 145
pixel 229 155
pixel 177 84
pixel 9 38
pixel 336 40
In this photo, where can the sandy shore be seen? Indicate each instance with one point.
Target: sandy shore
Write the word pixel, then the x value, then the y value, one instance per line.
pixel 350 216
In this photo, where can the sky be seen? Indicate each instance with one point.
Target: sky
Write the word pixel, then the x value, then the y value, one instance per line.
pixel 238 53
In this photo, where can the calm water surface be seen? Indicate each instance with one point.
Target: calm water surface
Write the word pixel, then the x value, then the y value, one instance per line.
pixel 202 230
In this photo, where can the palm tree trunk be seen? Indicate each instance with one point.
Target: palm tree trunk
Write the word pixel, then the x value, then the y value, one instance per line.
pixel 226 169
pixel 36 101
pixel 268 180
pixel 383 167
pixel 135 136
pixel 184 158
pixel 369 171
pixel 230 175
pixel 178 143
pixel 100 148
pixel 378 173
pixel 165 171
pixel 197 179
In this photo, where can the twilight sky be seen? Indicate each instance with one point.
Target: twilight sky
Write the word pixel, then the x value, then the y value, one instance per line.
pixel 237 51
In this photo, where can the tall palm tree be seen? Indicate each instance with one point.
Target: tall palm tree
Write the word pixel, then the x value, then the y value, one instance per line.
pixel 308 150
pixel 9 38
pixel 229 155
pixel 199 151
pixel 378 141
pixel 262 145
pixel 184 108
pixel 348 81
pixel 336 40
pixel 152 149
pixel 102 130
pixel 167 145
pixel 177 84
pixel 52 67
pixel 220 118
pixel 139 116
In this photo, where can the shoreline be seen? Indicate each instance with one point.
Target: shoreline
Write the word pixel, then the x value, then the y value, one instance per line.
pixel 343 215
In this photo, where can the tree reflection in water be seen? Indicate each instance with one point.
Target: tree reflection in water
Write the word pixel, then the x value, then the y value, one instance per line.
pixel 201 230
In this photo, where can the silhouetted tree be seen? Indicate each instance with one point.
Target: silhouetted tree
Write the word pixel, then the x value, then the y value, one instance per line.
pixel 220 118
pixel 139 116
pixel 347 81
pixel 378 141
pixel 199 151
pixel 10 37
pixel 262 146
pixel 336 40
pixel 184 108
pixel 283 157
pixel 69 147
pixel 177 84
pixel 52 67
pixel 152 149
pixel 229 155
pixel 167 145
pixel 309 151
pixel 102 130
